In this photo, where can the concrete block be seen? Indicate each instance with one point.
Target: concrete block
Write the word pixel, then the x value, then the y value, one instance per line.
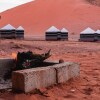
pixel 29 79
pixel 5 65
pixel 74 70
pixel 66 71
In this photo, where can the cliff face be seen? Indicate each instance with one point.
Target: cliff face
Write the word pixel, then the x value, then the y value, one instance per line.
pixel 37 16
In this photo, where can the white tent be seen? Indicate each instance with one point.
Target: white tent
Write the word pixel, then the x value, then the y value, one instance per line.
pixel 7 31
pixel 87 35
pixel 64 34
pixel 52 33
pixel 88 31
pixel 20 32
pixel 8 27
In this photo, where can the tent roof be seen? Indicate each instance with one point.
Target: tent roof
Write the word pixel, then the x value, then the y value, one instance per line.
pixel 8 27
pixel 64 30
pixel 53 29
pixel 88 31
pixel 20 28
pixel 98 31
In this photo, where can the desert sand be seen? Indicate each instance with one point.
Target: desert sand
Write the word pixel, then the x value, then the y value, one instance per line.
pixel 86 87
pixel 39 15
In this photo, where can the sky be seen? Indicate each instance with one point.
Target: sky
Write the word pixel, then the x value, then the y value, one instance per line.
pixel 8 4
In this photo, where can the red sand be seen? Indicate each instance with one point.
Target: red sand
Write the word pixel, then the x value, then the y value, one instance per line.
pixel 37 16
pixel 87 87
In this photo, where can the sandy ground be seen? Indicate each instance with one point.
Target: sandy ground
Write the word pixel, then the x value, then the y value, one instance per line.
pixel 36 17
pixel 86 87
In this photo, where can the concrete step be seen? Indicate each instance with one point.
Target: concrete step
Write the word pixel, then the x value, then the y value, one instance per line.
pixel 29 79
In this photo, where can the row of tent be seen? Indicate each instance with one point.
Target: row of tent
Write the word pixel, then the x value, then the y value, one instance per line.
pixel 55 34
pixel 9 31
pixel 52 33
pixel 90 35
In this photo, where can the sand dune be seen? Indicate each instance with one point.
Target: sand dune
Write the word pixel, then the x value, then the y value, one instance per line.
pixel 37 16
